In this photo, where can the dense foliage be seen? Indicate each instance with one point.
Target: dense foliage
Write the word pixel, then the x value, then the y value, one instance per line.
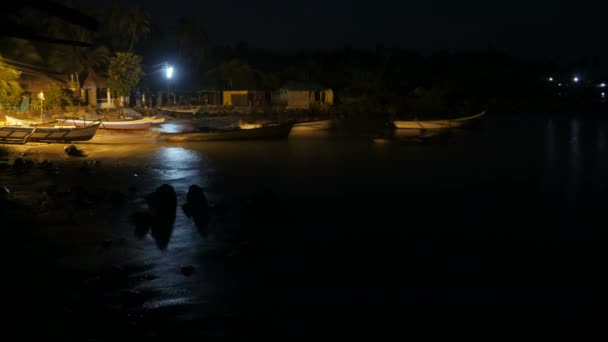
pixel 125 72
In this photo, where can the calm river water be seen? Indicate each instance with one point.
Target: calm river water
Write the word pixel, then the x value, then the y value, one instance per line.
pixel 330 232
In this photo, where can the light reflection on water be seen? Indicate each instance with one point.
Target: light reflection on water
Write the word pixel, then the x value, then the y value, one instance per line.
pixel 177 163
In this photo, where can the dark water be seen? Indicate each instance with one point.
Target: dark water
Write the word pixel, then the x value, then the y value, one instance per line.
pixel 325 233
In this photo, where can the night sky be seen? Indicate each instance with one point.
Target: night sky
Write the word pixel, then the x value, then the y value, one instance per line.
pixel 539 28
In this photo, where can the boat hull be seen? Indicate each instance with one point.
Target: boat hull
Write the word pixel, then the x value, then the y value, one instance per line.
pixel 314 125
pixel 47 134
pixel 11 121
pixel 437 124
pixel 130 125
pixel 267 132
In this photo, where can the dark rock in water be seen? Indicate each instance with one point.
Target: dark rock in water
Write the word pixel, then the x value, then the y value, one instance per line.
pixel 196 202
pixel 4 166
pixel 163 201
pixel 73 151
pixel 162 204
pixel 197 207
pixel 188 270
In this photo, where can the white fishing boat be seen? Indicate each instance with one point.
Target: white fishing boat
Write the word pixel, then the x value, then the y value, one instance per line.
pixel 140 124
pixel 314 125
pixel 24 134
pixel 12 121
pixel 437 124
pixel 187 110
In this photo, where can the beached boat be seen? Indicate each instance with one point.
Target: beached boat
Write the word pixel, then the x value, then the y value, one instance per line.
pixel 438 124
pixel 140 124
pixel 315 125
pixel 250 125
pixel 190 110
pixel 273 131
pixel 21 134
pixel 157 121
pixel 12 121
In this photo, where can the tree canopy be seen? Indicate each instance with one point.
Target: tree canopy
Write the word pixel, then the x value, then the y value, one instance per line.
pixel 125 72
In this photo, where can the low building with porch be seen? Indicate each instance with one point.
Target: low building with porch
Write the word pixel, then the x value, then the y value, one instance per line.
pixel 96 91
pixel 303 96
pixel 245 98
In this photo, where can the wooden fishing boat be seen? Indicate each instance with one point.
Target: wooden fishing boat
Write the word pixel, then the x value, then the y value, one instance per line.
pixel 12 121
pixel 140 124
pixel 273 131
pixel 314 125
pixel 20 134
pixel 186 110
pixel 438 124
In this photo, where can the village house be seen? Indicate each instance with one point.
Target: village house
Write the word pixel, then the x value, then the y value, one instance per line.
pixel 96 91
pixel 303 96
pixel 245 98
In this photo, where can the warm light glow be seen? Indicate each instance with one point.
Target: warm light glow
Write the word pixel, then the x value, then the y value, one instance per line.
pixel 169 71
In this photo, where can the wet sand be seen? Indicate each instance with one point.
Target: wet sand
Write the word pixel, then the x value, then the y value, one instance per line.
pixel 313 235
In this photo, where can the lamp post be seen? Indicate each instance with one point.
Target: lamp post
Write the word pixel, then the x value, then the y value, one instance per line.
pixel 169 75
pixel 41 98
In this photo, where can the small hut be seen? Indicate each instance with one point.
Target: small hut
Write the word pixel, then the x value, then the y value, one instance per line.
pixel 97 91
pixel 245 98
pixel 303 96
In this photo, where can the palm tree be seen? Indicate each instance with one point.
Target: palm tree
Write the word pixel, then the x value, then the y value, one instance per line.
pixel 21 50
pixel 76 59
pixel 10 90
pixel 136 23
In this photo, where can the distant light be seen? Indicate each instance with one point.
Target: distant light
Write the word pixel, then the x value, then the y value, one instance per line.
pixel 602 85
pixel 575 79
pixel 550 79
pixel 559 85
pixel 603 94
pixel 169 72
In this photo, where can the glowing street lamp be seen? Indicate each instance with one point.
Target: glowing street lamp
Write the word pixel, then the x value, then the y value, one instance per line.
pixel 575 79
pixel 550 79
pixel 602 85
pixel 169 75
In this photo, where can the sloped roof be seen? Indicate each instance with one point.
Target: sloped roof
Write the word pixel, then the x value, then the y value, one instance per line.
pixel 38 83
pixel 95 81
